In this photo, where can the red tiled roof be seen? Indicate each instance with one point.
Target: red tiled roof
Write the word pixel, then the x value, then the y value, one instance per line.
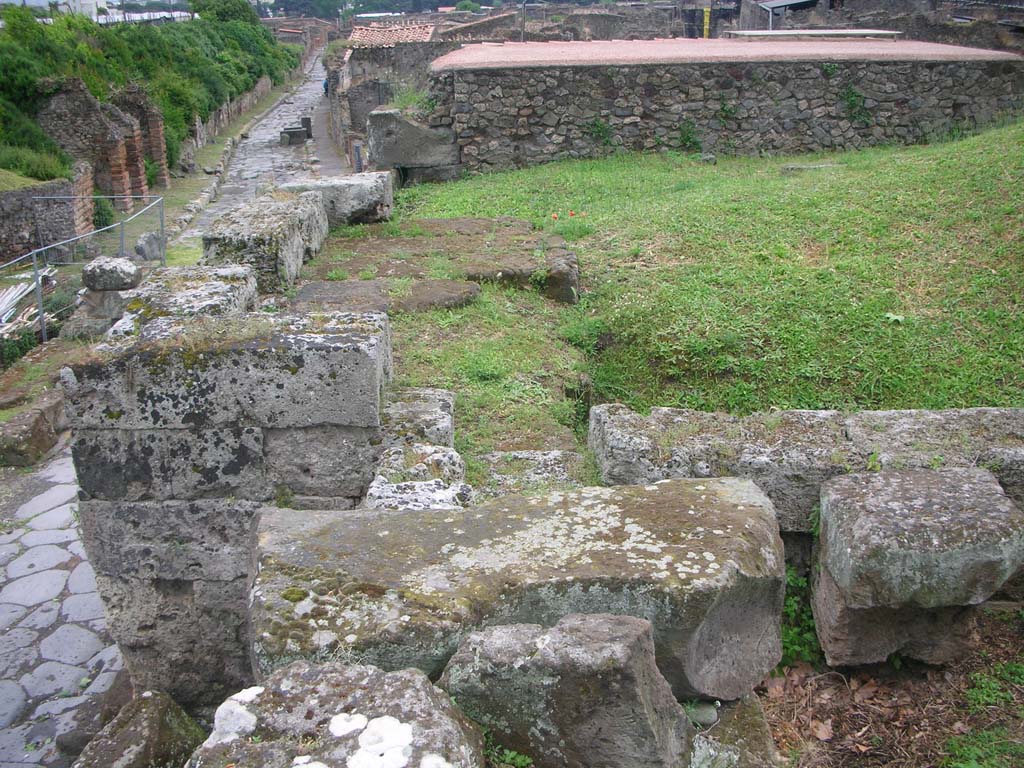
pixel 384 36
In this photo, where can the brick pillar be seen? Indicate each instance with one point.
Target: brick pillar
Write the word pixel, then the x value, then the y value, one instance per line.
pixel 84 206
pixel 156 146
pixel 120 178
pixel 135 163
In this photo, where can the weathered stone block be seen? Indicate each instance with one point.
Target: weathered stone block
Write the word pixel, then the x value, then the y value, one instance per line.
pixel 313 226
pixel 901 551
pixel 356 199
pixel 420 415
pixel 395 141
pixel 740 739
pixel 701 560
pixel 269 234
pixel 340 715
pixel 322 461
pixel 988 437
pixel 137 464
pixel 919 537
pixel 584 694
pixel 102 305
pixel 189 638
pixel 27 436
pixel 150 730
pixel 251 370
pixel 111 274
pixel 210 539
pixel 191 291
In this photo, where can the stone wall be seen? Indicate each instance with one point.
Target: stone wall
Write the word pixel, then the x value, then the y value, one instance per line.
pixel 21 214
pixel 506 118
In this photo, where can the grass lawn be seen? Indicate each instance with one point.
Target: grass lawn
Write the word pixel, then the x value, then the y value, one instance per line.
pixel 895 280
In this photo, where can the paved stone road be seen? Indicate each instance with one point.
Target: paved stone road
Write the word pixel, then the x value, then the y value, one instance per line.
pixel 57 660
pixel 260 162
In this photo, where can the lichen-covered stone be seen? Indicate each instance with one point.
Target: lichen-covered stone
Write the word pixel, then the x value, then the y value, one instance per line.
pixel 251 370
pixel 269 234
pixel 27 436
pixel 133 465
pixel 107 273
pixel 360 198
pixel 420 415
pixel 191 291
pixel 740 739
pixel 419 476
pixel 531 471
pixel 790 453
pixel 584 694
pixel 919 537
pixel 321 715
pixel 151 730
pixel 701 560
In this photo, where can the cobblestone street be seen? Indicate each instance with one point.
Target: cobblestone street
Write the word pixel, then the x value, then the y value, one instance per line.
pixel 260 162
pixel 57 661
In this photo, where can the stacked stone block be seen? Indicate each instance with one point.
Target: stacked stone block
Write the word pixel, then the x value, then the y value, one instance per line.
pixel 904 556
pixel 101 303
pixel 179 435
pixel 274 235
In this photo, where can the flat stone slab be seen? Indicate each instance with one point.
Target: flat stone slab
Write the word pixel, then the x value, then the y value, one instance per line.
pixel 191 291
pixel 354 199
pixel 791 453
pixel 501 250
pixel 254 370
pixel 531 471
pixel 920 538
pixel 701 560
pixel 380 296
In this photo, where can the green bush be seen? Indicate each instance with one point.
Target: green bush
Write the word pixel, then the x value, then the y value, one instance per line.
pixel 14 348
pixel 102 213
pixel 799 638
pixel 35 165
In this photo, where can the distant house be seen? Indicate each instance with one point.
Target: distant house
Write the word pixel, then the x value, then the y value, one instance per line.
pixel 382 36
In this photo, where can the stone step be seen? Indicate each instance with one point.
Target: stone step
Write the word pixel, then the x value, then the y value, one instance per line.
pixel 384 295
pixel 701 560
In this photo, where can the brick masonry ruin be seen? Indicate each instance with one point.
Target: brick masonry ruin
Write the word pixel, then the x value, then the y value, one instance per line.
pixel 27 222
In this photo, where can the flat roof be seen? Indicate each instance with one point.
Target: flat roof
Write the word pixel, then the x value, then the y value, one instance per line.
pixel 694 51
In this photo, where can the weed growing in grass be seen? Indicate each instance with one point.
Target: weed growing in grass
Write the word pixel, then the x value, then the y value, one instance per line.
pixel 990 748
pixel 337 274
pixel 368 273
pixel 986 691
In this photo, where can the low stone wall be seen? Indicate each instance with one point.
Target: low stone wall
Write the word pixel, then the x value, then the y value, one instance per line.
pixel 506 118
pixel 25 221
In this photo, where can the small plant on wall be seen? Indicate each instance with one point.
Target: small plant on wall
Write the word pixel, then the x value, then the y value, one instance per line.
pixel 689 141
pixel 829 69
pixel 600 131
pixel 856 105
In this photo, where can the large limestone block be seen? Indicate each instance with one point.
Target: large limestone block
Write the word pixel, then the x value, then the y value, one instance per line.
pixel 394 141
pixel 335 715
pixel 701 560
pixel 190 291
pixel 584 694
pixel 902 552
pixel 788 454
pixel 919 537
pixel 420 415
pixel 107 273
pixel 138 464
pixel 271 235
pixel 356 199
pixel 251 370
pixel 992 438
pixel 189 638
pixel 313 221
pixel 151 730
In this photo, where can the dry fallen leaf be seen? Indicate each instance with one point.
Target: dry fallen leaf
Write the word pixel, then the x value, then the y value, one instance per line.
pixel 822 730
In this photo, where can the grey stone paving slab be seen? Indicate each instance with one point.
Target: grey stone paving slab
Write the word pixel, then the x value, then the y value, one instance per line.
pixel 37 560
pixel 18 660
pixel 107 659
pixel 11 536
pixel 76 549
pixel 34 589
pixel 8 552
pixel 53 536
pixel 42 617
pixel 71 644
pixel 102 683
pixel 12 702
pixel 53 497
pixel 10 613
pixel 12 744
pixel 17 638
pixel 59 471
pixel 82 579
pixel 56 706
pixel 60 517
pixel 52 677
pixel 83 607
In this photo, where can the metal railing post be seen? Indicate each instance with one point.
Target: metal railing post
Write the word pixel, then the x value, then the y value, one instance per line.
pixel 163 240
pixel 121 253
pixel 39 295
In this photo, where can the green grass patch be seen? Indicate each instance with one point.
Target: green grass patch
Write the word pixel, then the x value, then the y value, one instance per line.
pixel 183 254
pixel 893 281
pixel 991 748
pixel 10 181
